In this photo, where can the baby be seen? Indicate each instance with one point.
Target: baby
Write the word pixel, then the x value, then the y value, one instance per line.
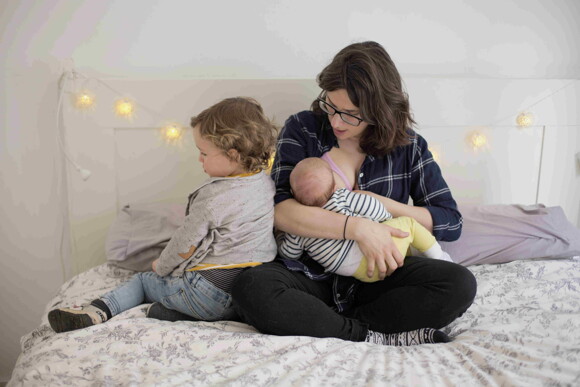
pixel 313 184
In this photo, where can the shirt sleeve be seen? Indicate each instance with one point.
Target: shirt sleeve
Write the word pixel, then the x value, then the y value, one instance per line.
pixel 296 141
pixel 429 190
pixel 367 206
pixel 186 239
pixel 291 246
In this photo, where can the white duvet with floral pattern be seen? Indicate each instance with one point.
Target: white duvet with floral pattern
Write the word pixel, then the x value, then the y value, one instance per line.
pixel 523 329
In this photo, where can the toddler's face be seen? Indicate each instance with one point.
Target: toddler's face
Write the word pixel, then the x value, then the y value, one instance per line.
pixel 213 160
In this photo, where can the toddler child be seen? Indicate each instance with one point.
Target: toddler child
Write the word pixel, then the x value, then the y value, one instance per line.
pixel 313 184
pixel 228 225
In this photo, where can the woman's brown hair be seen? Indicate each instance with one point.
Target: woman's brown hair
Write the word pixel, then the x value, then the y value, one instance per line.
pixel 374 85
pixel 239 123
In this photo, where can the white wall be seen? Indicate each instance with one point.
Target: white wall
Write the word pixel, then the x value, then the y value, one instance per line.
pixel 146 39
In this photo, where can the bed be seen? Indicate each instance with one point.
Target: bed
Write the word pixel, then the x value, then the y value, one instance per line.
pixel 522 329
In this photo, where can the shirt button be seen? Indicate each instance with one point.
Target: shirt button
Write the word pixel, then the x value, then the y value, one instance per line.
pixel 361 174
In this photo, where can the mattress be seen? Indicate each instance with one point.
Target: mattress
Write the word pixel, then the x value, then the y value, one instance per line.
pixel 522 329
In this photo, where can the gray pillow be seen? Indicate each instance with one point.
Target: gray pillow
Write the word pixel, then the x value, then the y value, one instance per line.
pixel 140 233
pixel 507 232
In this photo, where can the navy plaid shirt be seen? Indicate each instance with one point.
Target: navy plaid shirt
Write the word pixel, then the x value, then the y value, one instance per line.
pixel 406 172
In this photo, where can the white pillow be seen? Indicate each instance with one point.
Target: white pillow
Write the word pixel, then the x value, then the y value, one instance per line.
pixel 140 233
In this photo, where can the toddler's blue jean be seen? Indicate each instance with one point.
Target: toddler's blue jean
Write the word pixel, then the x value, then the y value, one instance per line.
pixel 190 294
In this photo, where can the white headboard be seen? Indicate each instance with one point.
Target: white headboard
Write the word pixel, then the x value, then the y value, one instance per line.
pixel 131 163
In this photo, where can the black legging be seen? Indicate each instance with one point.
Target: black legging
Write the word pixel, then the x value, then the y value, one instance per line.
pixel 423 293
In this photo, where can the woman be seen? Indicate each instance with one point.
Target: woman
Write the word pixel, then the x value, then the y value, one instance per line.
pixel 362 120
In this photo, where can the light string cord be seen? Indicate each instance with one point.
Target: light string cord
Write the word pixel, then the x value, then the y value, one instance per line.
pixel 75 73
pixel 537 102
pixel 85 173
pixel 63 82
pixel 63 181
pixel 493 124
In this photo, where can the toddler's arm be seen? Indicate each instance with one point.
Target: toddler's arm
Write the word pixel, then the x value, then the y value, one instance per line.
pixel 187 238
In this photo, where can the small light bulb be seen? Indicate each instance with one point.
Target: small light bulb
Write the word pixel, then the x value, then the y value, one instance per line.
pixel 478 140
pixel 84 100
pixel 435 155
pixel 270 163
pixel 172 133
pixel 524 119
pixel 124 108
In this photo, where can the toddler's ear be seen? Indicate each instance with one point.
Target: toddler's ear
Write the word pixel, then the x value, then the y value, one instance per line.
pixel 233 154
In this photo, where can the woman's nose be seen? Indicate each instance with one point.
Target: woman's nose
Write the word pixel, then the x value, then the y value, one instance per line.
pixel 336 121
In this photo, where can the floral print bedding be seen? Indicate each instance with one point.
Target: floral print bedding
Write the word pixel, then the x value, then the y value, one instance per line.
pixel 523 329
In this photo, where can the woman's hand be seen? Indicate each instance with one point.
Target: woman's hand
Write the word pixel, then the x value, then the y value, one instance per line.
pixel 376 243
pixel 154 265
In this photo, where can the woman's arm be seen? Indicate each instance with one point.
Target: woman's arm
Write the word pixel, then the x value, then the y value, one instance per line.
pixel 307 221
pixel 430 191
pixel 374 239
pixel 420 214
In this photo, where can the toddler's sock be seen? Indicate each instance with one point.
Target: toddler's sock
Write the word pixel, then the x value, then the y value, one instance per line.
pixel 102 306
pixel 158 311
pixel 416 337
pixel 77 317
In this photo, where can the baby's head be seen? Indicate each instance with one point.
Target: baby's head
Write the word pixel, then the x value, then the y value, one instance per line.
pixel 240 129
pixel 312 182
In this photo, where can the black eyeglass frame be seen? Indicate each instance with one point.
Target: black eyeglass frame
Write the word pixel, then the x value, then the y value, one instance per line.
pixel 322 104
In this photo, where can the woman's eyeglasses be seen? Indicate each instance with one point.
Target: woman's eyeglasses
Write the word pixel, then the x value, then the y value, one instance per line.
pixel 331 110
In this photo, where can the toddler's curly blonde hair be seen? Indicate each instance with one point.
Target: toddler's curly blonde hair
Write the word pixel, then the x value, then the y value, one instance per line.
pixel 239 123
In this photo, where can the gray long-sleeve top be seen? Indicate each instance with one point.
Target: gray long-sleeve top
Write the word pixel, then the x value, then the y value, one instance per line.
pixel 229 220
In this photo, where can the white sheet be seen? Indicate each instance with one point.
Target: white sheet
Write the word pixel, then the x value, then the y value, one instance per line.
pixel 523 329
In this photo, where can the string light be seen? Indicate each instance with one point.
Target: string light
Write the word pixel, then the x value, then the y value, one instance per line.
pixel 125 108
pixel 524 119
pixel 85 173
pixel 270 163
pixel 172 133
pixel 84 100
pixel 477 140
pixel 435 155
